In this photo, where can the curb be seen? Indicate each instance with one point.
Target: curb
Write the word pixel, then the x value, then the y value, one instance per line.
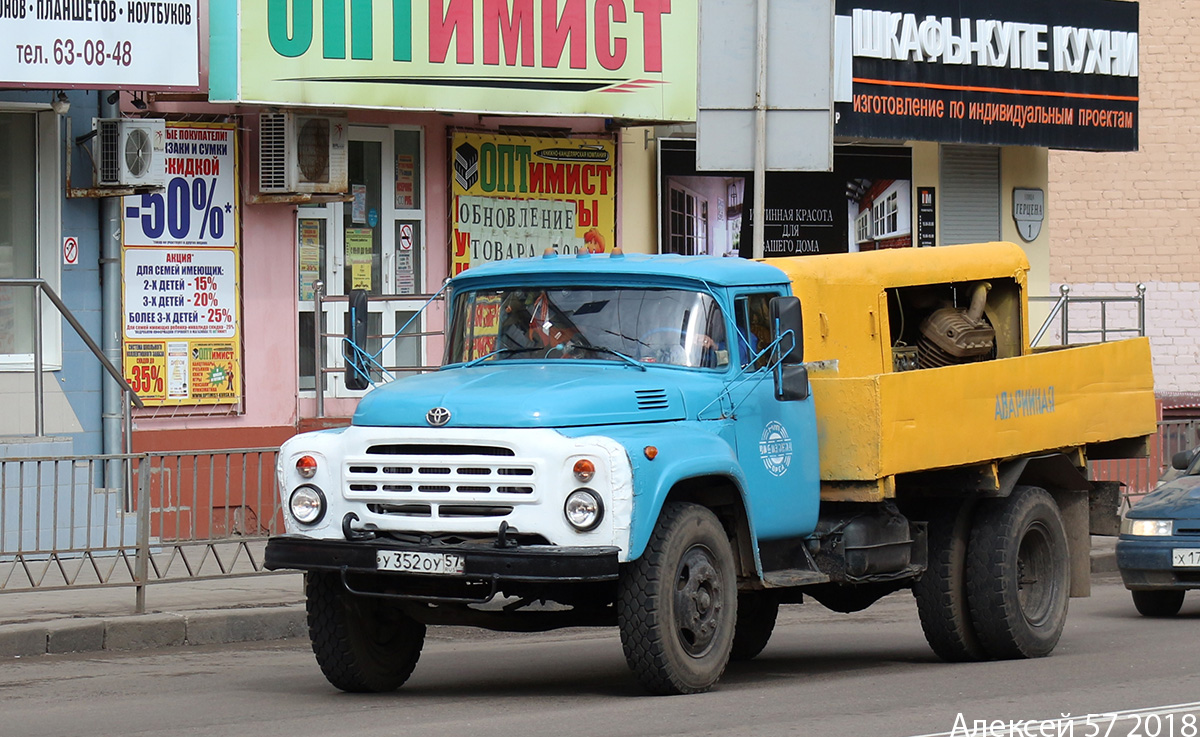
pixel 203 627
pixel 138 632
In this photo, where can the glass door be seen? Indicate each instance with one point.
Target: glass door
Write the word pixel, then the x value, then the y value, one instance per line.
pixel 371 243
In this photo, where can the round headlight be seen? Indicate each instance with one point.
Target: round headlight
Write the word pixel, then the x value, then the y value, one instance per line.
pixel 307 504
pixel 583 509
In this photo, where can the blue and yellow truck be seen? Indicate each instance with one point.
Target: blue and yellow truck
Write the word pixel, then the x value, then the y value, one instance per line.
pixel 678 445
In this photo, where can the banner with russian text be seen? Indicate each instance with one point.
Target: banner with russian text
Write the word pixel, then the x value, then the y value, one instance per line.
pixel 181 283
pixel 616 58
pixel 516 196
pixel 1058 74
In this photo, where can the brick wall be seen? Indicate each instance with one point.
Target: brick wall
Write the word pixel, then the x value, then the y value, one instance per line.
pixel 1116 219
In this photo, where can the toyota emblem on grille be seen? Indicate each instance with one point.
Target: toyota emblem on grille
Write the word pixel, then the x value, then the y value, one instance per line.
pixel 437 416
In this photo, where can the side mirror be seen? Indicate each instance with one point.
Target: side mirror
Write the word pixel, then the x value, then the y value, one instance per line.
pixel 357 376
pixel 1181 460
pixel 791 382
pixel 787 320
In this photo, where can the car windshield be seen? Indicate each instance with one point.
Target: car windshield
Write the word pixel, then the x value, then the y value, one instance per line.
pixel 676 327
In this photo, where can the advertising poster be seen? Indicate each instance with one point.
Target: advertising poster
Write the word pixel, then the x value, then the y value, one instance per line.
pixel 181 279
pixel 360 256
pixel 310 256
pixel 864 204
pixel 516 196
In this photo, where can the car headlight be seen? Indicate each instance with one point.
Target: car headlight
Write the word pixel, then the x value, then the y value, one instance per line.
pixel 307 504
pixel 1147 527
pixel 583 509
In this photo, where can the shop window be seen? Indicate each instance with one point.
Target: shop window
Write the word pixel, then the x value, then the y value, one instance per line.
pixel 29 210
pixel 687 218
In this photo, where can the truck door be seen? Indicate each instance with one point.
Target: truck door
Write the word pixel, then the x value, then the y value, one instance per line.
pixel 776 440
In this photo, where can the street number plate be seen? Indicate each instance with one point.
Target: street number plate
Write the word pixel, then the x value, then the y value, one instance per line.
pixel 1186 557
pixel 438 564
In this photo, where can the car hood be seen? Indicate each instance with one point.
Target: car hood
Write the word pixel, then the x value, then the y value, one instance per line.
pixel 531 395
pixel 1178 499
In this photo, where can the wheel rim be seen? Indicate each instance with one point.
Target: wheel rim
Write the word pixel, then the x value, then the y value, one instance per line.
pixel 1036 575
pixel 699 601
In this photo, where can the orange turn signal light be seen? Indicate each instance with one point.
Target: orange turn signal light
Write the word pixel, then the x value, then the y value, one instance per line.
pixel 651 452
pixel 584 470
pixel 306 466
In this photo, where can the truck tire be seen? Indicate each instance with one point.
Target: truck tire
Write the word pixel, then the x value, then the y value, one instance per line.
pixel 756 613
pixel 1018 574
pixel 1158 603
pixel 941 591
pixel 363 644
pixel 677 603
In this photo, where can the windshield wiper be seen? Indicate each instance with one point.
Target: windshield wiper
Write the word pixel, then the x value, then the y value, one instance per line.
pixel 503 352
pixel 603 349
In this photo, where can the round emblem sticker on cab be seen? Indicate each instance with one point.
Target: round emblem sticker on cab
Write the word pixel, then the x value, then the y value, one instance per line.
pixel 775 448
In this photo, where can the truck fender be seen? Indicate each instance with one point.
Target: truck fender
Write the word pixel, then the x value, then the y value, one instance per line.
pixel 684 453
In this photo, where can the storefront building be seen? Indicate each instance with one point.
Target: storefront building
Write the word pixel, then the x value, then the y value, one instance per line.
pixel 380 148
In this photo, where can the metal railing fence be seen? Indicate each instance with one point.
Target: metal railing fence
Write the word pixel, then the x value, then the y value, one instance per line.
pixel 187 516
pixel 1095 316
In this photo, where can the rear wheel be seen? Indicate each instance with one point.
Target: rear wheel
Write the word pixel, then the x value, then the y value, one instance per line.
pixel 756 614
pixel 362 643
pixel 1158 603
pixel 677 603
pixel 941 591
pixel 1018 574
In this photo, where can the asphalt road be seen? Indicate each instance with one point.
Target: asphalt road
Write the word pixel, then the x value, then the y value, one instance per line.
pixel 825 674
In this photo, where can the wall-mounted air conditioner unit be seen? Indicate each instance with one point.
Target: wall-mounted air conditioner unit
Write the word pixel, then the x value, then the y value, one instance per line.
pixel 130 152
pixel 302 153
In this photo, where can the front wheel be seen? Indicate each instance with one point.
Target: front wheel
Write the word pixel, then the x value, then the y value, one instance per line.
pixel 363 644
pixel 1018 574
pixel 756 615
pixel 1158 603
pixel 677 604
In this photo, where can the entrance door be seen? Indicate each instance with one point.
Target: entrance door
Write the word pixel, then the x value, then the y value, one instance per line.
pixel 371 243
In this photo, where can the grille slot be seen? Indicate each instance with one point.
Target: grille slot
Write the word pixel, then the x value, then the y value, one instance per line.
pixel 472 510
pixel 648 399
pixel 514 489
pixel 409 449
pixel 402 510
pixel 433 488
pixel 1187 530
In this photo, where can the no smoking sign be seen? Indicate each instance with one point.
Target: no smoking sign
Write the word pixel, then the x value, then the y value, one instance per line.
pixel 70 250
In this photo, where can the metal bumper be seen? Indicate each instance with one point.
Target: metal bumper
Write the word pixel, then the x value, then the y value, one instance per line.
pixel 1146 564
pixel 534 563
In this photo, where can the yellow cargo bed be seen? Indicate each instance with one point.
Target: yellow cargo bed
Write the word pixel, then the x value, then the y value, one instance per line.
pixel 877 421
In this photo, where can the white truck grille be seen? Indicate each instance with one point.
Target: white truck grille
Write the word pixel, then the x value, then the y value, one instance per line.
pixel 440 480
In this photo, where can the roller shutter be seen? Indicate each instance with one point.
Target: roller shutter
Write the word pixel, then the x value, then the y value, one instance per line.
pixel 970 183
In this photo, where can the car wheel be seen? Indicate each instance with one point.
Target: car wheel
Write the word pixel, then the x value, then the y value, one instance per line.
pixel 1158 603
pixel 757 611
pixel 941 591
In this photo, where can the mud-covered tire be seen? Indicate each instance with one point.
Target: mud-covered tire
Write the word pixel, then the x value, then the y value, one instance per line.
pixel 677 603
pixel 1018 574
pixel 1158 603
pixel 756 614
pixel 941 591
pixel 363 644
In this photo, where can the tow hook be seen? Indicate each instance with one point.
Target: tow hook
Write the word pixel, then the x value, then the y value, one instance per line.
pixel 502 540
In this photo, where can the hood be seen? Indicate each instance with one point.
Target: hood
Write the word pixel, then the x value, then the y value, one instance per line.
pixel 1178 499
pixel 526 394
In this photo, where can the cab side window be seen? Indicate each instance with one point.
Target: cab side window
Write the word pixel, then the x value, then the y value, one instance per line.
pixel 752 314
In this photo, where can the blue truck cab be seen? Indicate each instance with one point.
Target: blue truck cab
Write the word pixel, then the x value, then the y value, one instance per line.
pixel 584 401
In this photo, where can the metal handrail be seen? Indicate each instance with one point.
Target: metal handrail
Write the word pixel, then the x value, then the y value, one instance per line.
pixel 39 421
pixel 1062 305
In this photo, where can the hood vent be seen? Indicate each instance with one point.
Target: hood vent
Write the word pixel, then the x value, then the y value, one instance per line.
pixel 652 398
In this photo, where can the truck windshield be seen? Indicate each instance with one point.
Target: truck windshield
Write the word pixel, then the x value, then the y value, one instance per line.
pixel 664 326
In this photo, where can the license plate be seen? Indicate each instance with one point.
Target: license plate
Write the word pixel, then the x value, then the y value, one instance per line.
pixel 1185 557
pixel 437 564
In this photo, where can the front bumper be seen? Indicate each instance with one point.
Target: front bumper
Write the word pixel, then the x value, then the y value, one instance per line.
pixel 525 563
pixel 1145 563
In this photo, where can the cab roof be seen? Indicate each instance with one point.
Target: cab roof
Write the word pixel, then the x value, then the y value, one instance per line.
pixel 711 269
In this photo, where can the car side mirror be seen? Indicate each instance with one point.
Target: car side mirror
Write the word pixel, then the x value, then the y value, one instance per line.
pixel 787 320
pixel 1181 460
pixel 791 382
